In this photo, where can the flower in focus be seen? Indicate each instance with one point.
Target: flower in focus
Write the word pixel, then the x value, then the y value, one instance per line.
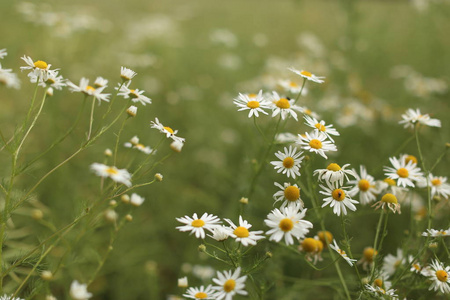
pixel 289 163
pixel 198 225
pixel 38 68
pixel 169 132
pixel 403 172
pixel 316 142
pixel 88 90
pixel 242 234
pixel 200 293
pixel 328 130
pixel 282 106
pixel 338 198
pixel 307 75
pixel 255 104
pixel 79 291
pixel 229 284
pixel 287 222
pixel 334 173
pixel 411 117
pixel 118 175
pixel 389 200
pixel 289 193
pixel 127 74
pixel 439 275
pixel 364 185
pixel 342 253
pixel 134 95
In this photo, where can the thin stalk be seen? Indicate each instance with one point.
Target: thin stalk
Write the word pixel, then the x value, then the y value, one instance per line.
pixel 118 139
pixel 91 119
pixel 259 130
pixel 380 220
pixel 429 216
pixel 301 90
pixel 349 251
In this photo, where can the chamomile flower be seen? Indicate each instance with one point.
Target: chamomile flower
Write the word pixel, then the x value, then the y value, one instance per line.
pixel 118 175
pixel 135 95
pixel 38 68
pixel 49 79
pixel 392 262
pixel 287 223
pixel 169 132
pixel 378 291
pixel 365 185
pixel 242 234
pixel 88 90
pixel 411 117
pixel 316 142
pixel 79 291
pixel 438 184
pixel 334 173
pixel 369 254
pixel 229 284
pixel 289 194
pixel 100 82
pixel 3 53
pixel 285 137
pixel 220 233
pixel 389 200
pixel 439 275
pixel 289 163
pixel 127 74
pixel 292 87
pixel 306 111
pixel 198 225
pixel 328 130
pixel 283 106
pixel 255 104
pixel 8 78
pixel 313 248
pixel 338 198
pixel 307 75
pixel 404 173
pixel 200 292
pixel 134 143
pixel 437 233
pixel 342 253
pixel 6 297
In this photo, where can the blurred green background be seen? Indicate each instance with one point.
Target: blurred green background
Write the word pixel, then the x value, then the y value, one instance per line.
pixel 192 59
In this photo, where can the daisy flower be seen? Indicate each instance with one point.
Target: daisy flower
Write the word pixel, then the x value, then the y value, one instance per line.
pixel 313 248
pixel 389 200
pixel 411 117
pixel 285 137
pixel 134 95
pixel 334 173
pixel 8 78
pixel 86 89
pixel 342 253
pixel 200 292
pixel 392 262
pixel 100 82
pixel 288 193
pixel 338 198
pixel 316 142
pixel 378 291
pixel 438 184
pixel 134 143
pixel 169 132
pixel 436 233
pixel 229 284
pixel 287 222
pixel 306 111
pixel 132 111
pixel 198 225
pixel 439 275
pixel 402 172
pixel 39 67
pixel 255 104
pixel 220 233
pixel 365 185
pixel 118 175
pixel 242 234
pixel 136 200
pixel 127 74
pixel 79 291
pixel 291 87
pixel 282 106
pixel 289 163
pixel 6 297
pixel 321 127
pixel 50 79
pixel 367 259
pixel 183 282
pixel 3 53
pixel 307 75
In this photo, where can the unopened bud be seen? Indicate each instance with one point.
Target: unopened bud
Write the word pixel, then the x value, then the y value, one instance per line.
pixel 125 199
pixel 202 248
pixel 110 215
pixel 129 218
pixel 158 176
pixel 132 110
pixel 183 282
pixel 108 152
pixel 447 145
pixel 176 146
pixel 432 245
pixel 269 254
pixel 46 275
pixel 37 214
pixel 49 92
pixel 113 203
pixel 243 200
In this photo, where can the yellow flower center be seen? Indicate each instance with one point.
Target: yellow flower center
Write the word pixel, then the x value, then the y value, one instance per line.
pixel 442 275
pixel 201 295
pixel 378 282
pixel 368 254
pixel 50 81
pixel 321 127
pixel 443 232
pixel 198 223
pixel 323 234
pixel 283 103
pixel 286 225
pixel 308 111
pixel 229 285
pixel 293 84
pixel 436 182
pixel 341 252
pixel 170 130
pixel 416 266
pixel 112 171
pixel 411 158
pixel 315 143
pixel 334 167
pixel 402 172
pixel 310 245
pixel 306 73
pixel 140 146
pixel 363 185
pixel 133 94
pixel 241 232
pixel 338 195
pixel 389 181
pixel 252 95
pixel 253 104
pixel 90 89
pixel 41 64
pixel 288 162
pixel 292 193
pixel 389 198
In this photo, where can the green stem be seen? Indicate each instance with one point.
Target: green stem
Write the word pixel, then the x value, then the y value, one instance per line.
pixel 301 90
pixel 118 139
pixel 348 248
pixel 91 119
pixel 259 130
pixel 380 220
